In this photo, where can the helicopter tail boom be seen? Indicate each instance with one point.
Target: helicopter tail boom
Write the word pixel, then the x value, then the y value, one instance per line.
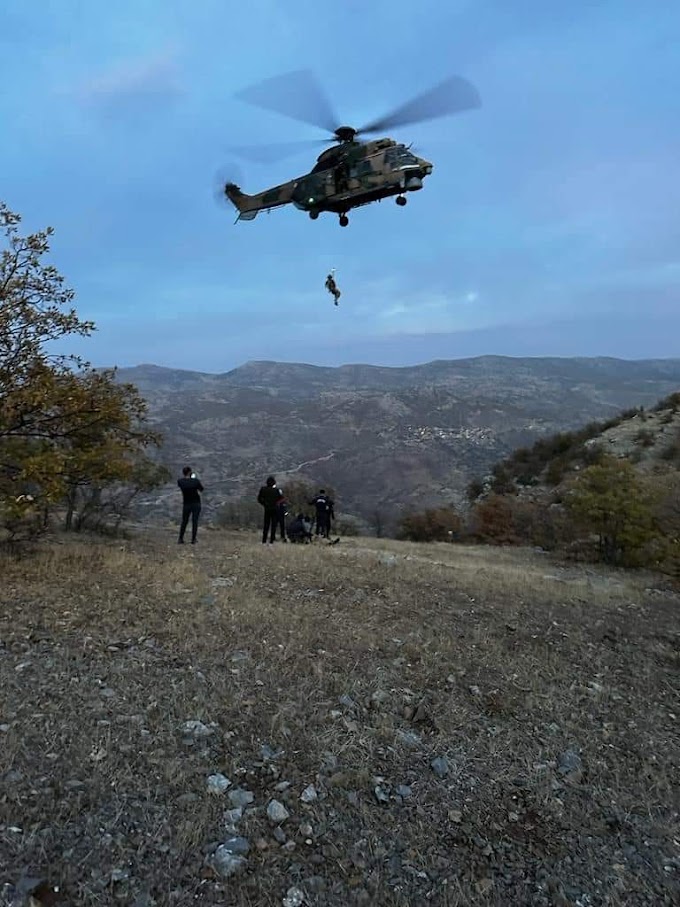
pixel 241 201
pixel 248 206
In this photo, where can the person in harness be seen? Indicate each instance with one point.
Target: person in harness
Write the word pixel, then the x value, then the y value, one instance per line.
pixel 332 287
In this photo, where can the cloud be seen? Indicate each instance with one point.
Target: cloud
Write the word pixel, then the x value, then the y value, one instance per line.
pixel 135 88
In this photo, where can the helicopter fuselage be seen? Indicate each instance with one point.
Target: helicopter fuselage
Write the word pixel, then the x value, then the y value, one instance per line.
pixel 347 176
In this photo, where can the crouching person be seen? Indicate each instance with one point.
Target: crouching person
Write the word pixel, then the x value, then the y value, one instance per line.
pixel 300 530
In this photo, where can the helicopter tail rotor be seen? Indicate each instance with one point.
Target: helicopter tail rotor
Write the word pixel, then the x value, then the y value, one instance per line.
pixel 240 201
pixel 227 191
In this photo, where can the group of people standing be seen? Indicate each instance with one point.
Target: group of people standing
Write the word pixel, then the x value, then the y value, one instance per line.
pixel 273 501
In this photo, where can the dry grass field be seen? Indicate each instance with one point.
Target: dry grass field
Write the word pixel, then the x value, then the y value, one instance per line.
pixel 434 725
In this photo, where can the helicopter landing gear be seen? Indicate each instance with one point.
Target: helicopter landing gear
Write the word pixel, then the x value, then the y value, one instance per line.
pixel 313 214
pixel 401 200
pixel 344 220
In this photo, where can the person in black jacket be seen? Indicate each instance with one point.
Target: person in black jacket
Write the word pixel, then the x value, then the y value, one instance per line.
pixel 191 487
pixel 325 512
pixel 269 496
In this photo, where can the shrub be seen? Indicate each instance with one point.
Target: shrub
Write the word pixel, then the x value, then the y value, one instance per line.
pixel 240 514
pixel 672 402
pixel 556 471
pixel 609 501
pixel 502 482
pixel 492 521
pixel 645 438
pixel 671 452
pixel 440 524
pixel 474 490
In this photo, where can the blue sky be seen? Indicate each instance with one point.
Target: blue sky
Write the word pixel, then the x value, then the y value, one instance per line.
pixel 550 225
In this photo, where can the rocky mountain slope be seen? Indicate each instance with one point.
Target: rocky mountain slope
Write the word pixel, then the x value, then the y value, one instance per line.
pixel 648 438
pixel 385 438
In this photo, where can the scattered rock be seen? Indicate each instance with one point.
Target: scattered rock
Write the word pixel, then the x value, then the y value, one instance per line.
pixel 388 559
pixel 195 730
pixel 225 863
pixel 329 764
pixel 314 885
pixel 74 784
pixel 120 874
pixel 309 794
pixel 238 657
pixel 237 845
pixel 294 898
pixel 403 791
pixel 440 766
pixel 381 794
pixel 455 815
pixel 217 784
pixel 570 765
pixel 240 797
pixel 378 698
pixel 408 738
pixel 12 776
pixel 277 812
pixel 279 835
pixel 268 754
pixel 347 701
pixel 232 817
pixel 475 691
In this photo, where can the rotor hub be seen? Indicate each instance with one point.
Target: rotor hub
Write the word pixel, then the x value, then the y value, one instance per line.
pixel 345 133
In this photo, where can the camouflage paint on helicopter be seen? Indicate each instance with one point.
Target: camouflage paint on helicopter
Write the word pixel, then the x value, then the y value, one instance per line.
pixel 345 177
pixel 354 172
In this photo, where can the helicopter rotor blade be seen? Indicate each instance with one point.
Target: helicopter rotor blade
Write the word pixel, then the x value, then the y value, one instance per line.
pixel 454 95
pixel 297 95
pixel 278 151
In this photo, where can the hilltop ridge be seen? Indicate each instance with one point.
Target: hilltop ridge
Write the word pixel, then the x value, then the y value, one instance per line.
pixel 386 438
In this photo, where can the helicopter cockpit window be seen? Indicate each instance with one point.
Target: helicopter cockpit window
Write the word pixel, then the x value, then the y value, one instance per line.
pixel 395 157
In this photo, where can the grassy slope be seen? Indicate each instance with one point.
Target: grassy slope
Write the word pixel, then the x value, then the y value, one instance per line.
pixel 499 660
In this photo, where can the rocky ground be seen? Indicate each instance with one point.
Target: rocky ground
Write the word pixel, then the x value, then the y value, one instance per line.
pixel 367 723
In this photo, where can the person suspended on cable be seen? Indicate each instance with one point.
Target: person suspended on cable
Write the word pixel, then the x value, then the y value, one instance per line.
pixel 332 287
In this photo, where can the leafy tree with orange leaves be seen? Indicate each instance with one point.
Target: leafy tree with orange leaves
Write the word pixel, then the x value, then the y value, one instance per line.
pixel 63 425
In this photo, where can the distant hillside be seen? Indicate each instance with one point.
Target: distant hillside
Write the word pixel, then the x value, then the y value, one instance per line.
pixel 649 438
pixel 386 438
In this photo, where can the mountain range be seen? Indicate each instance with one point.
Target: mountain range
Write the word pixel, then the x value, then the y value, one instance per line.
pixel 385 439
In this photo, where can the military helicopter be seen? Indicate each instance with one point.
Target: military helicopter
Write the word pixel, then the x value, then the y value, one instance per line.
pixel 354 172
